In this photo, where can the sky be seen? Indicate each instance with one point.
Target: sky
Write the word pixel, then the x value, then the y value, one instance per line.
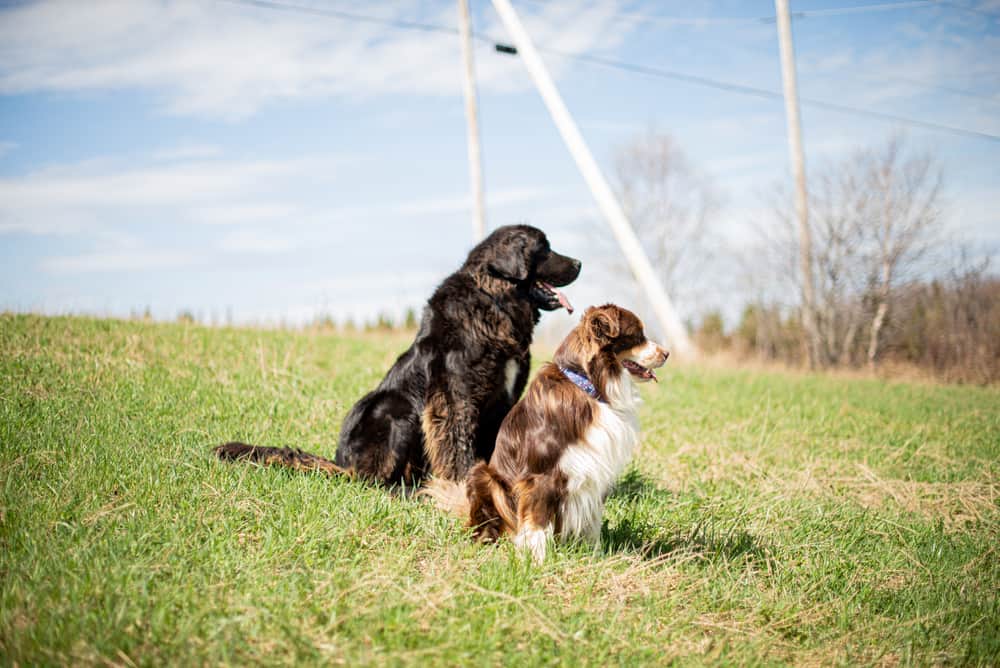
pixel 254 164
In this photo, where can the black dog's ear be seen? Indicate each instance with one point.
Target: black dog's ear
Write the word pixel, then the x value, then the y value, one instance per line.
pixel 510 260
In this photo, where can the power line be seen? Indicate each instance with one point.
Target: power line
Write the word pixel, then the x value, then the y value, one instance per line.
pixel 830 11
pixel 971 10
pixel 916 83
pixel 857 9
pixel 736 20
pixel 672 20
pixel 622 66
pixel 348 16
pixel 768 94
pixel 418 26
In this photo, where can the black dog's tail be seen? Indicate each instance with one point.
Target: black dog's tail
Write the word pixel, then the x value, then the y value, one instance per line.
pixel 292 458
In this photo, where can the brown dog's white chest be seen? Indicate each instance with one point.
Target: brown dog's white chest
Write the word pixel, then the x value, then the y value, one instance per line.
pixel 594 464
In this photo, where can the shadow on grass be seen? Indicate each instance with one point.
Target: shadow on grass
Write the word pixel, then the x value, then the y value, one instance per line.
pixel 633 486
pixel 707 539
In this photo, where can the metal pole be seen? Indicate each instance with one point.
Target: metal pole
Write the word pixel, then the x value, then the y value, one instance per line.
pixel 472 120
pixel 599 188
pixel 797 157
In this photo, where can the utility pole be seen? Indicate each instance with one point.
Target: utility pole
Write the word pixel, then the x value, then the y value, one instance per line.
pixel 599 188
pixel 472 121
pixel 799 172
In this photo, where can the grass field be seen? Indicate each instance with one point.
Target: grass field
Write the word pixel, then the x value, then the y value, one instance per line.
pixel 769 519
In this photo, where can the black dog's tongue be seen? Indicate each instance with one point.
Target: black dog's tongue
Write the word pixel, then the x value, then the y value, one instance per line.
pixel 562 298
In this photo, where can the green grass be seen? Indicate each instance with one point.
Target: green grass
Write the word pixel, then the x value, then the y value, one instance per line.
pixel 769 519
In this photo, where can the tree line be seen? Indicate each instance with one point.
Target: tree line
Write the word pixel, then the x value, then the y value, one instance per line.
pixel 890 282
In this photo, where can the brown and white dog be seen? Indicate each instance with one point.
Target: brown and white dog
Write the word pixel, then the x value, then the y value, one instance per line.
pixel 561 448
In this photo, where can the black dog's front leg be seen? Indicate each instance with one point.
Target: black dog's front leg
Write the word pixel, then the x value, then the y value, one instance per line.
pixel 449 422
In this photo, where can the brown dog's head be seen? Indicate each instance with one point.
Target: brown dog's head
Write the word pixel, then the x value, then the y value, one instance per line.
pixel 519 258
pixel 607 340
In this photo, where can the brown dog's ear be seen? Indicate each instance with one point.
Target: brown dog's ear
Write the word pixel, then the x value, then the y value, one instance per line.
pixel 603 322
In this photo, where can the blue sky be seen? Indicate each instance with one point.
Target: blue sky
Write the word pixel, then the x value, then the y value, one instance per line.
pixel 221 158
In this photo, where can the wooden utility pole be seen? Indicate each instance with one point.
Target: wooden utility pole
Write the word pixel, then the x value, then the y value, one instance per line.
pixel 799 172
pixel 472 121
pixel 599 188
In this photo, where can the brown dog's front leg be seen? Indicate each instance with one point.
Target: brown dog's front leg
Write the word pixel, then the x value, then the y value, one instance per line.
pixel 538 501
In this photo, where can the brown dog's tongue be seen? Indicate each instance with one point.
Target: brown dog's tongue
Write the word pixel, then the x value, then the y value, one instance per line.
pixel 562 298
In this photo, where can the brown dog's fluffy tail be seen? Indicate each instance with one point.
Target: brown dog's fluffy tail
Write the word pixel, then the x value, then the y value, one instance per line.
pixel 448 495
pixel 292 458
pixel 484 499
pixel 492 504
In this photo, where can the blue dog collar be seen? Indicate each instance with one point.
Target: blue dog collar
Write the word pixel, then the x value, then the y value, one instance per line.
pixel 581 381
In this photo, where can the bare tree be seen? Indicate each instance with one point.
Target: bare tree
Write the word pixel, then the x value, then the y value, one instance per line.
pixel 669 204
pixel 837 217
pixel 772 268
pixel 872 216
pixel 903 219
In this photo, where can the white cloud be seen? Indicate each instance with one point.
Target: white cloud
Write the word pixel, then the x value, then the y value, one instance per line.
pixel 124 260
pixel 116 210
pixel 938 64
pixel 185 182
pixel 256 242
pixel 383 281
pixel 112 207
pixel 79 196
pixel 619 127
pixel 495 199
pixel 243 213
pixel 226 60
pixel 975 213
pixel 187 152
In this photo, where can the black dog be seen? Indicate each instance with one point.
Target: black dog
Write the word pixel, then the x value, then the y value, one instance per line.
pixel 438 409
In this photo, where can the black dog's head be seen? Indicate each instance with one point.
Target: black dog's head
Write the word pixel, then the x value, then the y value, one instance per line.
pixel 520 257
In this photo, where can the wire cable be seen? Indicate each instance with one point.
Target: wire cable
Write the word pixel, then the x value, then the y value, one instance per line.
pixel 803 14
pixel 971 10
pixel 768 94
pixel 646 70
pixel 348 16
